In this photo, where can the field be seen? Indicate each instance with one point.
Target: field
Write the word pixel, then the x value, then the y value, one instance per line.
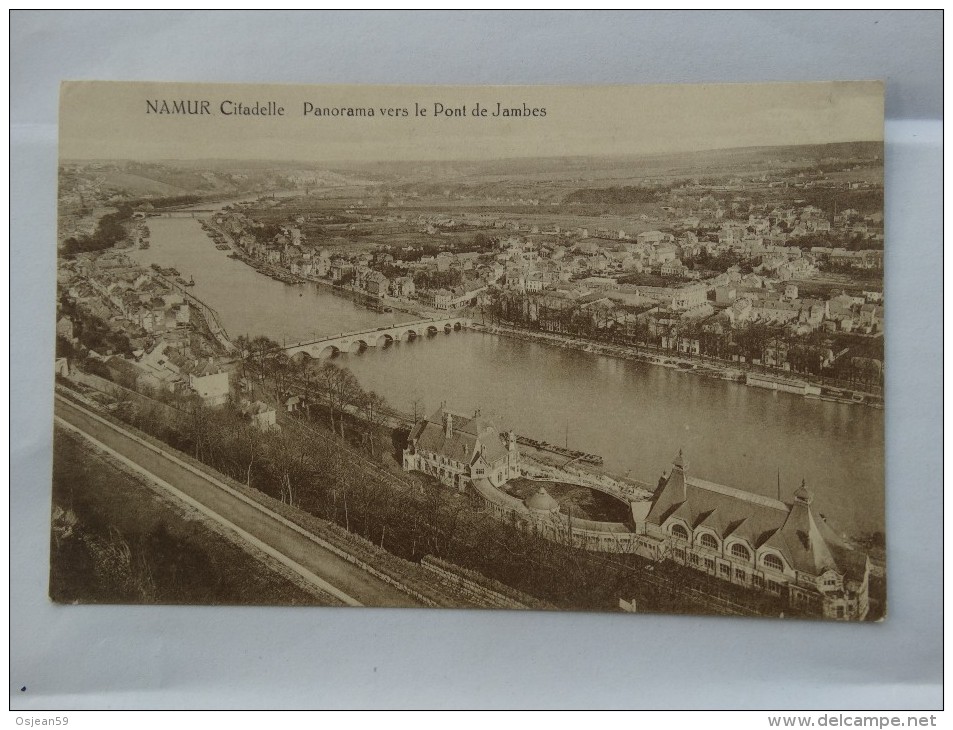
pixel 136 185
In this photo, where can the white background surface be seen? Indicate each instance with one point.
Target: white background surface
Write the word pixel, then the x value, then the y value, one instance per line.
pixel 72 657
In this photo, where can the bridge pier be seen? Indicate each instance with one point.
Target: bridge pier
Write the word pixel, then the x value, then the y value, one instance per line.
pixel 380 337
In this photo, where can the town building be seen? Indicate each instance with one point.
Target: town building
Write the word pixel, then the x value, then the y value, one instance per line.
pixel 376 284
pixel 260 414
pixel 458 450
pixel 209 381
pixel 783 548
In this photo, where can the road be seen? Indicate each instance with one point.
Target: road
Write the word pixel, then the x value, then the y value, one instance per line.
pixel 306 554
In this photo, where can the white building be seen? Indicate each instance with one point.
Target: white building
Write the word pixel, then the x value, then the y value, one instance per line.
pixel 210 382
pixel 457 450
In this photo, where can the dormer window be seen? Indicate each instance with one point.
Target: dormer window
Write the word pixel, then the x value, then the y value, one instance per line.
pixel 773 562
pixel 740 551
pixel 680 532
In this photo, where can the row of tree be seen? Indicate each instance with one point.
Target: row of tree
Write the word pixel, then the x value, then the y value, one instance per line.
pixel 438 279
pixel 625 195
pixel 324 476
pixel 320 382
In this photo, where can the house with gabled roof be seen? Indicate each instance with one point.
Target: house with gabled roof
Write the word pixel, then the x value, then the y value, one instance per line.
pixel 780 547
pixel 209 380
pixel 457 450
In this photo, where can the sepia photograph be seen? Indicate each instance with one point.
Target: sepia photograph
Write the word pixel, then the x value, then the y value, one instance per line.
pixel 563 348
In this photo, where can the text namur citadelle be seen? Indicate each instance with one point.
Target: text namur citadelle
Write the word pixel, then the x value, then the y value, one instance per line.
pixel 229 108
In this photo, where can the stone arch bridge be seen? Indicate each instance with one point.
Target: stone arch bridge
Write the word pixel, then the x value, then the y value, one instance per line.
pixel 379 337
pixel 196 213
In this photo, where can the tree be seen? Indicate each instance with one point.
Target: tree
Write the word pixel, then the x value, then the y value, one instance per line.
pixel 305 372
pixel 373 410
pixel 243 346
pixel 328 375
pixel 341 389
pixel 261 348
pixel 752 339
pixel 280 367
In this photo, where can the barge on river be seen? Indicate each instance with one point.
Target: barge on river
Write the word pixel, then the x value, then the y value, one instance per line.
pixel 572 454
pixel 786 385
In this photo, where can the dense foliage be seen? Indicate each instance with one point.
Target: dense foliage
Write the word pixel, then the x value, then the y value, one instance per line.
pixel 109 231
pixel 626 195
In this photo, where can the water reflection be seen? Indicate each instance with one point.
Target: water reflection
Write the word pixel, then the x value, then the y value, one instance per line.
pixel 637 416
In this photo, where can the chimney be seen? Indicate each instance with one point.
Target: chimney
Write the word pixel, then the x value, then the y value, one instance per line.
pixel 448 424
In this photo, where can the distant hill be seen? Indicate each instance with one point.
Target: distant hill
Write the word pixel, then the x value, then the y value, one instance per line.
pixel 683 162
pixel 136 185
pixel 170 177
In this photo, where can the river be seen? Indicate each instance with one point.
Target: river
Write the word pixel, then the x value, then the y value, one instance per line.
pixel 637 416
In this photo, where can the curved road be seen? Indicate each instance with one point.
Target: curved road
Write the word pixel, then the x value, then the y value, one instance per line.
pixel 304 553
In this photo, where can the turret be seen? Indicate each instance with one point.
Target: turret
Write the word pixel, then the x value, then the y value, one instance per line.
pixel 680 463
pixel 448 424
pixel 802 501
pixel 803 495
pixel 677 477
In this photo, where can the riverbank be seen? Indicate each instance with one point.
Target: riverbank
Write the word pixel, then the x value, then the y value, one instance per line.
pixel 675 361
pixel 635 417
pixel 286 276
pixel 543 461
pixel 213 329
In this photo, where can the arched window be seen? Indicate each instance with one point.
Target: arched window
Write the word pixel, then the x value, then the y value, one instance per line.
pixel 773 562
pixel 740 551
pixel 680 532
pixel 708 541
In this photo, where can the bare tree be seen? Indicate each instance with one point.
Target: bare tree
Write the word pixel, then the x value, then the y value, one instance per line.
pixel 329 375
pixel 261 348
pixel 304 372
pixel 279 366
pixel 342 390
pixel 243 347
pixel 373 409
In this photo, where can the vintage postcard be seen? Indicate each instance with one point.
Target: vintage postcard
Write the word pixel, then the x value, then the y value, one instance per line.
pixel 609 348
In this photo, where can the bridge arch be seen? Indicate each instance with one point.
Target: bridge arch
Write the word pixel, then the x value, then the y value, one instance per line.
pixel 301 356
pixel 328 351
pixel 382 336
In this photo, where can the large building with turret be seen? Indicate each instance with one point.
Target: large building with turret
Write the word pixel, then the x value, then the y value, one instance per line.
pixel 458 450
pixel 784 548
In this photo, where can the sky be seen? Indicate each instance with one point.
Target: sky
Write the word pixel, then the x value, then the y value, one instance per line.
pixel 114 120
